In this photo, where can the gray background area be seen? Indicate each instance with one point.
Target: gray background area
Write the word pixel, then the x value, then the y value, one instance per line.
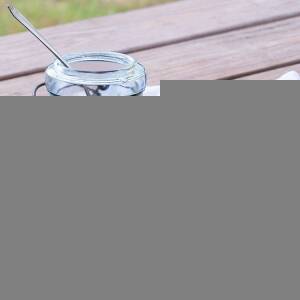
pixel 179 197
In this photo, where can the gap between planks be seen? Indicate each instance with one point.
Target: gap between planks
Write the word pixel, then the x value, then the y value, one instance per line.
pixel 272 74
pixel 259 72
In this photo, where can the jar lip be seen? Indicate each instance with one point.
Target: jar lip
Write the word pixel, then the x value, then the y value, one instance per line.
pixel 130 69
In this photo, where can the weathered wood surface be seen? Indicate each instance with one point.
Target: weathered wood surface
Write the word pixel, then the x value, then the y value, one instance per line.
pixel 190 39
pixel 231 55
pixel 141 29
pixel 227 56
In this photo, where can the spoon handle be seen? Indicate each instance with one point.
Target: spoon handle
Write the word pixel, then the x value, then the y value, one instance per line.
pixel 20 18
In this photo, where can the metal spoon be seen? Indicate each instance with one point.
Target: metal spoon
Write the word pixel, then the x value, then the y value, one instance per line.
pixel 20 18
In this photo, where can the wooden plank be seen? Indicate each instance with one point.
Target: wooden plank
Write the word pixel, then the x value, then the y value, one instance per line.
pixel 21 86
pixel 142 29
pixel 229 55
pixel 219 57
pixel 272 74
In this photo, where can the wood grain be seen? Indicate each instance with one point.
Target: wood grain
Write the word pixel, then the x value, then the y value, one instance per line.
pixel 152 27
pixel 228 55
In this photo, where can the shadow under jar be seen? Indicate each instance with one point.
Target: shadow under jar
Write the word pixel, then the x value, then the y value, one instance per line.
pixel 95 74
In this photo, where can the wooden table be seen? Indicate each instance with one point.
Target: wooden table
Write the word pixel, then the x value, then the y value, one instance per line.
pixel 188 39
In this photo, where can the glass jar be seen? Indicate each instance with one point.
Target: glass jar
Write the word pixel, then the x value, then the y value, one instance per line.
pixel 126 78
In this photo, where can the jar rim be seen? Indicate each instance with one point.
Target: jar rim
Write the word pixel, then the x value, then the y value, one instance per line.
pixel 130 69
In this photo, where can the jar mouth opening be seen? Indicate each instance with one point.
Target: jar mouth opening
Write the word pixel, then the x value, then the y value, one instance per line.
pixel 125 69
